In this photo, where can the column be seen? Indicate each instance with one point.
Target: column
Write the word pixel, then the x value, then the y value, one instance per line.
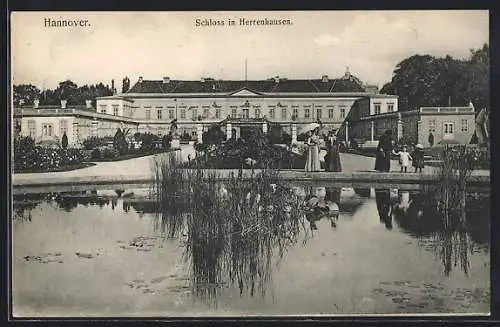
pixel 347 133
pixel 372 123
pixel 94 131
pixel 294 133
pixel 264 128
pixel 199 132
pixel 420 137
pixel 229 131
pixel 76 136
pixel 400 126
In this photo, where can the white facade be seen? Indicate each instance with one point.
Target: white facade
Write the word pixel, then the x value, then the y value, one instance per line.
pixel 381 104
pixel 45 128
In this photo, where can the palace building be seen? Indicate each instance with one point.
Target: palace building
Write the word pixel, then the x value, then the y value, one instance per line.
pixel 236 106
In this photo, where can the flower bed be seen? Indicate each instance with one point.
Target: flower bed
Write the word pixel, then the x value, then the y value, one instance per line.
pixel 31 158
pixel 233 155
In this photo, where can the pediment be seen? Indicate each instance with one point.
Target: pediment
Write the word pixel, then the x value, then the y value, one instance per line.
pixel 246 92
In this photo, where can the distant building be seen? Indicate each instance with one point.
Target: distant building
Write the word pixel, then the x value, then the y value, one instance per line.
pixel 447 124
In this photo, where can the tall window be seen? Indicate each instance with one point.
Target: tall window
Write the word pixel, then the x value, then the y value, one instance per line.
pixel 318 113
pixel 158 114
pixel 205 112
pixel 32 128
pixel 233 112
pixel 115 109
pixel 342 112
pixel 390 107
pixel 283 113
pixel 148 114
pixel 330 113
pixel 183 113
pixel 432 125
pixel 103 108
pixel 47 129
pixel 295 112
pixel 217 113
pixel 171 114
pixel 271 113
pixel 257 113
pixel 307 113
pixel 195 113
pixel 377 108
pixel 465 126
pixel 448 128
pixel 63 127
pixel 246 113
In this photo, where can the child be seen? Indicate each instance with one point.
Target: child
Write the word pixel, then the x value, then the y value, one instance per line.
pixel 404 159
pixel 418 157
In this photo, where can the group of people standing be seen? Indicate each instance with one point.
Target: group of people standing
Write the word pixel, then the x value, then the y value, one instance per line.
pixel 332 158
pixel 385 148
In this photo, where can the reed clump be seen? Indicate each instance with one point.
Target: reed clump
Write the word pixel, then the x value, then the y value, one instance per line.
pixel 234 230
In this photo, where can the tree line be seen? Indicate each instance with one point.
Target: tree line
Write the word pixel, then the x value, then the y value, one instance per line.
pixel 424 80
pixel 25 94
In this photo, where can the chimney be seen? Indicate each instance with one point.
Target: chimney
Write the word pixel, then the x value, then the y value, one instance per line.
pixel 140 79
pixel 113 85
pixel 63 104
pixel 166 80
pixel 36 102
pixel 324 78
pixel 88 104
pixel 276 79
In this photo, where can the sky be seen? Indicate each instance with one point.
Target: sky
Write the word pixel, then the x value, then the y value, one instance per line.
pixel 158 44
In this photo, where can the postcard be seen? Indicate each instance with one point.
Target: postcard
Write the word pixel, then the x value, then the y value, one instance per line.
pixel 244 164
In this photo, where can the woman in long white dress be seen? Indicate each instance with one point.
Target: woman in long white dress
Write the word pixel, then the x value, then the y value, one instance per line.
pixel 312 141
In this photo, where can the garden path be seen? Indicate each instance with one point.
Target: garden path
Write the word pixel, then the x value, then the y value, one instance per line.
pixel 137 166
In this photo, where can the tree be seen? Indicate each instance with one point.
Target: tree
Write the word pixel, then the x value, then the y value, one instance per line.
pixel 214 135
pixel 119 142
pixel 25 94
pixel 64 141
pixel 424 80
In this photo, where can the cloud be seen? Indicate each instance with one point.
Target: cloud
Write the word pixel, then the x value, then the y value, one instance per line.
pixel 326 40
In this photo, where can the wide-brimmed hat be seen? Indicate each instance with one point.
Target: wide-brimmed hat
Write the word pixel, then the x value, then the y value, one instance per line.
pixel 419 146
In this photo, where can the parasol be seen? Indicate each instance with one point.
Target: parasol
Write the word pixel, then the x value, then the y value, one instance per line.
pixel 309 127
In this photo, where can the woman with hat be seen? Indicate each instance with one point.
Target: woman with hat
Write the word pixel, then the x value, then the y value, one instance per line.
pixel 312 162
pixel 384 149
pixel 332 159
pixel 417 157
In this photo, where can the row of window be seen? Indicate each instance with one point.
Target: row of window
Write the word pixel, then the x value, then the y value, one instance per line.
pixel 390 108
pixel 246 113
pixel 47 128
pixel 448 127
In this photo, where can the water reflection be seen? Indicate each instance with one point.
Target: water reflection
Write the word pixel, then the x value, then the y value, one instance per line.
pixel 384 207
pixel 235 238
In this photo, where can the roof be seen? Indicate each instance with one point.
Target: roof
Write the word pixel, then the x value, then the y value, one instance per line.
pixel 262 86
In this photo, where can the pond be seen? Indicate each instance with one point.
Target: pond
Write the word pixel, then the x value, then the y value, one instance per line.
pixel 387 252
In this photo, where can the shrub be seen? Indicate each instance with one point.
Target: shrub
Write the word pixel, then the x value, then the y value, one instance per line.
pixel 95 154
pixel 64 141
pixel 110 153
pixel 166 141
pixel 94 142
pixel 119 142
pixel 43 159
